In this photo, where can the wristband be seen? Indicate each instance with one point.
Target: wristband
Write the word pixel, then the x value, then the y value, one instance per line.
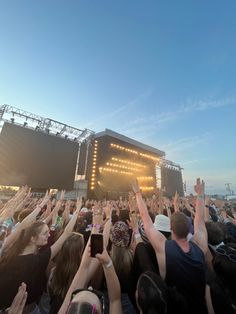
pixel 137 236
pixel 108 264
pixel 97 226
pixel 201 197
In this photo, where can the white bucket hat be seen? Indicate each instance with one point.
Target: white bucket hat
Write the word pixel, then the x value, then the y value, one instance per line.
pixel 162 223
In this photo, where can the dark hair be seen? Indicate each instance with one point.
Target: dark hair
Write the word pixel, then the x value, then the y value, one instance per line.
pixel 20 244
pixel 214 232
pixel 67 264
pixel 179 225
pixel 225 268
pixel 153 296
pixel 151 293
pixel 227 237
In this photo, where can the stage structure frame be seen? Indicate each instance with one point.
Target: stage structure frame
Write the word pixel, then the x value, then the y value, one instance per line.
pixel 85 138
pixel 49 126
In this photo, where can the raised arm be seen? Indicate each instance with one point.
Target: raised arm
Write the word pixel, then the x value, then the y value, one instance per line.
pixel 200 233
pixel 112 281
pixel 55 248
pixel 156 238
pixel 25 222
pixel 86 270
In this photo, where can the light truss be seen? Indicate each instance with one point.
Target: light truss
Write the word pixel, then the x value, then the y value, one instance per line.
pixel 21 117
pixel 170 164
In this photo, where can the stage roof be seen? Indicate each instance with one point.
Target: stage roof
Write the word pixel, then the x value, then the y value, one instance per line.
pixel 121 137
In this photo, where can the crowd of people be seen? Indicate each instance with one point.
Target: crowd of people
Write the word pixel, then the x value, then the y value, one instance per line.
pixel 159 255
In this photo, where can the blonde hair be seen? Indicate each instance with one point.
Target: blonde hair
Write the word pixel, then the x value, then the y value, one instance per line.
pixel 122 258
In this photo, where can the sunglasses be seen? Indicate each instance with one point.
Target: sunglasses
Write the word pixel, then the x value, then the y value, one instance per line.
pixel 231 253
pixel 96 292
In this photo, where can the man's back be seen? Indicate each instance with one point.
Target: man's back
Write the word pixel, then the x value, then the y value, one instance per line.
pixel 186 272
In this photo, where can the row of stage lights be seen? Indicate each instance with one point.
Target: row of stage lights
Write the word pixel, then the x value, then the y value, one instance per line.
pixel 134 152
pixel 145 178
pixel 95 150
pixel 147 188
pixel 112 170
pixel 124 148
pixel 128 162
pixel 143 188
pixel 115 171
pixel 121 166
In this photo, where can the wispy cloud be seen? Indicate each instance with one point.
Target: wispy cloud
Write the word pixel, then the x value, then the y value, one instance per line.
pixel 186 142
pixel 120 110
pixel 149 124
pixel 203 105
pixel 153 122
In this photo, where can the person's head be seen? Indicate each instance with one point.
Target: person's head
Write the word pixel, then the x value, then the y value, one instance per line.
pixel 162 224
pixel 224 264
pixel 64 272
pixel 179 225
pixel 214 232
pixel 36 235
pixel 151 294
pixel 85 302
pixel 120 236
pixel 154 297
pixel 121 255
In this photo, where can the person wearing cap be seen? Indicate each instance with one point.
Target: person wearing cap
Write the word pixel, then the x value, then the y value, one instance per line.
pixel 162 224
pixel 181 262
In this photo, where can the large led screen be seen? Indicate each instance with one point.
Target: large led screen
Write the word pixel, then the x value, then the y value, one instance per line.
pixel 171 181
pixel 37 159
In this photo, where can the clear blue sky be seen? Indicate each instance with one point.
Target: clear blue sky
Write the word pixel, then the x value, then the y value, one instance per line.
pixel 162 72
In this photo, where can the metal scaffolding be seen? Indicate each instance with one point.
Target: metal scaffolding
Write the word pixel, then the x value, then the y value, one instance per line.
pixel 27 119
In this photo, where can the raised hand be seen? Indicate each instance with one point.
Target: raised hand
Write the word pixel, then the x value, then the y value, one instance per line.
pixel 45 199
pixel 103 258
pixel 132 203
pixel 62 196
pixel 65 215
pixel 133 223
pixel 176 201
pixel 200 187
pixel 107 209
pixel 18 303
pixel 97 215
pixel 135 186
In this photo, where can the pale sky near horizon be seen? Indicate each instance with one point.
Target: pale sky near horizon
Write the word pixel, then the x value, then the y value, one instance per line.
pixel 161 72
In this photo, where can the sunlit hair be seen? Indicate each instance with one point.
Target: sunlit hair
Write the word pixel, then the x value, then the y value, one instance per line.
pixel 67 264
pixel 23 214
pixel 20 244
pixel 122 258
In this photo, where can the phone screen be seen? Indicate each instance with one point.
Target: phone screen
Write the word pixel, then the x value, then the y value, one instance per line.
pixel 96 244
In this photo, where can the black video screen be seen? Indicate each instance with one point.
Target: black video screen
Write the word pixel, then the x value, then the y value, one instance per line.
pixel 37 159
pixel 172 181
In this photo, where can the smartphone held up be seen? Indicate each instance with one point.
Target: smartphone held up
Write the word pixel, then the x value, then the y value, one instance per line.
pixel 96 244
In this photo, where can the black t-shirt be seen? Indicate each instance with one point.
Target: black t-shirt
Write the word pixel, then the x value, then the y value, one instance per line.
pixel 29 269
